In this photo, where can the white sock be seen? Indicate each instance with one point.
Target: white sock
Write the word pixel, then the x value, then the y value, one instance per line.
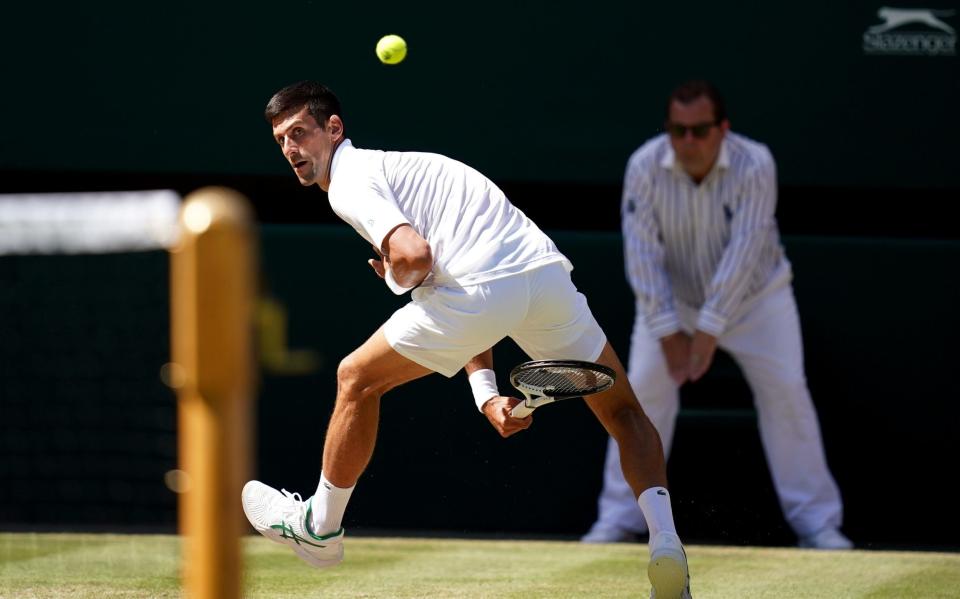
pixel 328 505
pixel 655 504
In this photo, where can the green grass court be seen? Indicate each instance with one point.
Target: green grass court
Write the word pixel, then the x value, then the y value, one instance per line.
pixel 101 566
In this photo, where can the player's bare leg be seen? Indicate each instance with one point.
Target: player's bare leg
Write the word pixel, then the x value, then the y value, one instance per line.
pixel 362 378
pixel 311 527
pixel 641 452
pixel 642 460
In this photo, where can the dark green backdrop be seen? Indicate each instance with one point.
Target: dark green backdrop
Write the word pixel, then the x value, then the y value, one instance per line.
pixel 529 91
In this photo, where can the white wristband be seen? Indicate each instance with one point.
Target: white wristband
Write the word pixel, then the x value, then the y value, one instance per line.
pixel 483 383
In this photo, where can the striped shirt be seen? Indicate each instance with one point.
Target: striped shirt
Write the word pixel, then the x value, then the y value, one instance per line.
pixel 711 246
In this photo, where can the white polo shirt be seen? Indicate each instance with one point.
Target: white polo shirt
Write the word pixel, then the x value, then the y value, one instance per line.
pixel 474 232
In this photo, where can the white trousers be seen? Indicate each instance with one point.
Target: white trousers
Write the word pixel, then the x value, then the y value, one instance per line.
pixel 765 341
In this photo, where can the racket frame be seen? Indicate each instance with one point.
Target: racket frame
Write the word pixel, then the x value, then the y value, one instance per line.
pixel 541 396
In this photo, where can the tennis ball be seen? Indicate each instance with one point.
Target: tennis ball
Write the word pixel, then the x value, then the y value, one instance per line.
pixel 391 49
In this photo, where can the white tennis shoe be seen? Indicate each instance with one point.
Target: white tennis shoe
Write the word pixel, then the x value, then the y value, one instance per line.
pixel 668 571
pixel 283 517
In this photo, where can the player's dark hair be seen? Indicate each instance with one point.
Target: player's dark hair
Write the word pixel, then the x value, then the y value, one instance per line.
pixel 321 103
pixel 695 88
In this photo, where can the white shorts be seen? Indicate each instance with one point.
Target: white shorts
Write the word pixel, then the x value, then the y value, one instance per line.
pixel 443 328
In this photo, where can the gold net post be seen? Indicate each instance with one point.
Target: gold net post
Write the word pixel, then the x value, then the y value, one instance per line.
pixel 213 288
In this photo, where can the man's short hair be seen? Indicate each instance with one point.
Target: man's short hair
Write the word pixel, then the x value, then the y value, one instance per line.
pixel 695 88
pixel 321 103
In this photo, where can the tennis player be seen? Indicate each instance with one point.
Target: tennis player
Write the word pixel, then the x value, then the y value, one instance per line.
pixel 479 270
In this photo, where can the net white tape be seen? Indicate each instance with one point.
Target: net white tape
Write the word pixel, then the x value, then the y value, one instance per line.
pixel 81 223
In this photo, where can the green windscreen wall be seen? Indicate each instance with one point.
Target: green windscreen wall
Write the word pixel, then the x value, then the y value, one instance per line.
pixel 531 91
pixel 85 420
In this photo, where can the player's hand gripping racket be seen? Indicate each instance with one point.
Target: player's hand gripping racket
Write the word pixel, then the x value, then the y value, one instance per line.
pixel 547 381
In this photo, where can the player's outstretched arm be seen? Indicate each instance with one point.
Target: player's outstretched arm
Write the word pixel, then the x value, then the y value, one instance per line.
pixel 494 406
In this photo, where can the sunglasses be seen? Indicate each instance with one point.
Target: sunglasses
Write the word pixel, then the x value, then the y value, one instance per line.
pixel 700 130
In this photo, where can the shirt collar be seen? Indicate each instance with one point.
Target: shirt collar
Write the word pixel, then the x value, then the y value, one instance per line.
pixel 346 143
pixel 669 160
pixel 723 161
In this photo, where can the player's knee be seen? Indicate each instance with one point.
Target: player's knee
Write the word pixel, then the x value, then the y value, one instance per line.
pixel 352 383
pixel 621 416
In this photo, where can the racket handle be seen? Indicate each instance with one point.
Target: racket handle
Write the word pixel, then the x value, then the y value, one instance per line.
pixel 521 410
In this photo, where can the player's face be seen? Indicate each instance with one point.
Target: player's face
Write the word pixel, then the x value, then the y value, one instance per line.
pixel 695 135
pixel 307 145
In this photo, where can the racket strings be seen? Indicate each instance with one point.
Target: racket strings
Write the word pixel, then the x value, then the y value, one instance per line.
pixel 563 381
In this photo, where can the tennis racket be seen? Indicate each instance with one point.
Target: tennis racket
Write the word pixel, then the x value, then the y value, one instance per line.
pixel 547 381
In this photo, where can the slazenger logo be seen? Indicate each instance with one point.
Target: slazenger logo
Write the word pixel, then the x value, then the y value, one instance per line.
pixel 911 32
